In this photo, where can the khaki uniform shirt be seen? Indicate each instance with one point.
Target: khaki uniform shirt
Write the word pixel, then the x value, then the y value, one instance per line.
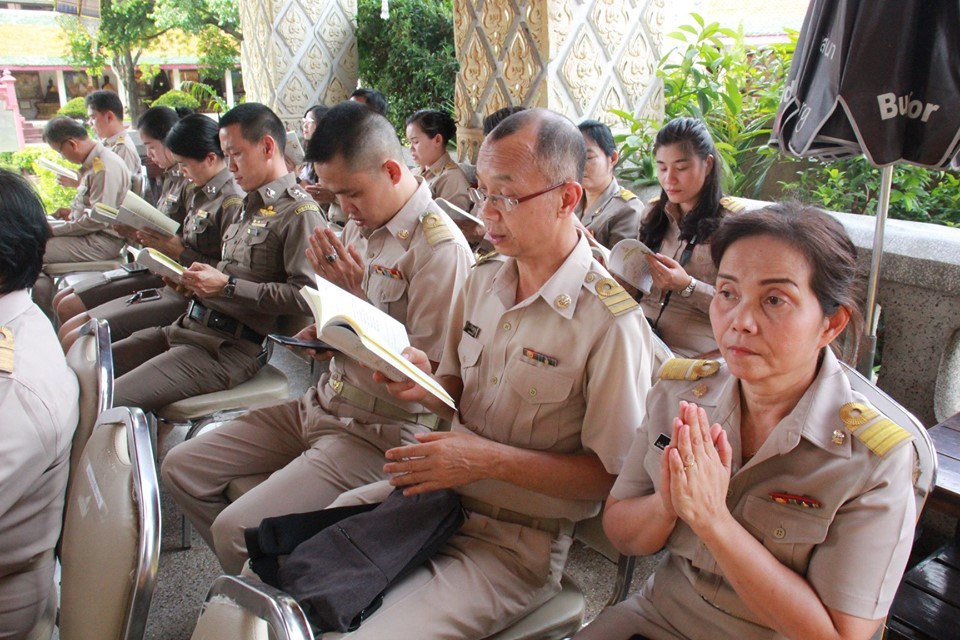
pixel 38 415
pixel 549 373
pixel 265 250
pixel 685 324
pixel 448 181
pixel 615 216
pixel 173 194
pixel 122 145
pixel 212 209
pixel 103 178
pixel 851 545
pixel 415 265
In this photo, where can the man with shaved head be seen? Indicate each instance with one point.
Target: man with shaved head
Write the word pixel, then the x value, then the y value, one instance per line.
pixel 549 360
pixel 400 252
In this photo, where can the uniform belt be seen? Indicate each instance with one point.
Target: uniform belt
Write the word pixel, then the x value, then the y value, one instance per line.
pixel 222 322
pixel 550 525
pixel 368 402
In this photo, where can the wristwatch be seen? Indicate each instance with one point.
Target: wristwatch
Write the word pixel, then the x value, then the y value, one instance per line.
pixel 688 290
pixel 230 287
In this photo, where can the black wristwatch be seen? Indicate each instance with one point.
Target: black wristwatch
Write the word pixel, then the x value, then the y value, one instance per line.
pixel 230 287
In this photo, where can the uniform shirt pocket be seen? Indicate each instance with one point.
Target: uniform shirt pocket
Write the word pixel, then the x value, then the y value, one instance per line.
pixel 790 533
pixel 257 253
pixel 541 393
pixel 468 353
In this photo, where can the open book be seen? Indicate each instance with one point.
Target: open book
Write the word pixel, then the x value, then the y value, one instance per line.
pixel 368 335
pixel 160 263
pixel 627 261
pixel 294 150
pixel 135 212
pixel 50 165
pixel 456 213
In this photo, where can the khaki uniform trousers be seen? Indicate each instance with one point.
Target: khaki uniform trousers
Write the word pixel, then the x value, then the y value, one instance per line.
pixel 87 248
pixel 28 602
pixel 126 319
pixel 486 577
pixel 160 365
pixel 312 454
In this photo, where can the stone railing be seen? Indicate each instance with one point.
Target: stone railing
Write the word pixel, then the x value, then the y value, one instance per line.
pixel 919 296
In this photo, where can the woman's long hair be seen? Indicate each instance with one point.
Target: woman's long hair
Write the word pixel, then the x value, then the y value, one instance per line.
pixel 701 221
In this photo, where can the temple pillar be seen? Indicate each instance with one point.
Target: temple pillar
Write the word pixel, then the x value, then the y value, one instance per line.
pixel 581 58
pixel 297 53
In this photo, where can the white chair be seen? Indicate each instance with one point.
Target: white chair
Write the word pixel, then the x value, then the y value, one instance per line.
pixel 111 534
pixel 240 608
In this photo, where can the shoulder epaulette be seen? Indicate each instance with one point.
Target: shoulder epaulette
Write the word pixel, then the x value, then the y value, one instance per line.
pixel 434 228
pixel 627 195
pixel 121 139
pixel 879 433
pixel 688 369
pixel 97 165
pixel 298 192
pixel 452 165
pixel 614 297
pixel 309 206
pixel 6 350
pixel 232 201
pixel 190 187
pixel 653 200
pixel 733 204
pixel 483 258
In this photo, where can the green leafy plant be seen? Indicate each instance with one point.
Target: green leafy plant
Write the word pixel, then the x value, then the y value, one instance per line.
pixel 410 57
pixel 206 96
pixel 175 98
pixel 75 108
pixel 53 195
pixel 735 89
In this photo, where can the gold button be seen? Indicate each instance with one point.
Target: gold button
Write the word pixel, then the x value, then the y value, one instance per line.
pixel 591 277
pixel 506 326
pixel 779 532
pixel 494 380
pixel 403 234
pixel 562 301
pixel 532 392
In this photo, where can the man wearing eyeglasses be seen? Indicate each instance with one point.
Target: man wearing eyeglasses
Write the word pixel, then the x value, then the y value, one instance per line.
pixel 104 177
pixel 550 361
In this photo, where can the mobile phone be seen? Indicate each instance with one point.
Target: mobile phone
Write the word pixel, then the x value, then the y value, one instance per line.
pixel 133 267
pixel 288 341
pixel 144 296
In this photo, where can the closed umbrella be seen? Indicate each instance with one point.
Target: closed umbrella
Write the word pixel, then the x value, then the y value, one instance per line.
pixel 879 78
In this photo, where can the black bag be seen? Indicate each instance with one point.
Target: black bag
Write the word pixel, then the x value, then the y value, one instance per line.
pixel 338 575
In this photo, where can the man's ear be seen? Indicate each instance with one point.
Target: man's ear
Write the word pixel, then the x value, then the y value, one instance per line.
pixel 270 148
pixel 570 194
pixel 393 169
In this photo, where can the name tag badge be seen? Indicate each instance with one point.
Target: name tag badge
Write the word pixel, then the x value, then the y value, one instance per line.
pixel 260 224
pixel 202 215
pixel 542 358
pixel 471 329
pixel 662 442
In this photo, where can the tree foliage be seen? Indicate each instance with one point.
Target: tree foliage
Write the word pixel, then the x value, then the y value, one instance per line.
pixel 410 56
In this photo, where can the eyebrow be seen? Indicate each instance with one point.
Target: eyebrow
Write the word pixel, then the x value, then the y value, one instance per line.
pixel 766 281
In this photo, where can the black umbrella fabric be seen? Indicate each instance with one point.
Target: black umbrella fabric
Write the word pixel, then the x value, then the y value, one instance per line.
pixel 877 77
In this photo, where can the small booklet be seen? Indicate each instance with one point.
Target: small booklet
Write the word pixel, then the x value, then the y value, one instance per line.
pixel 455 212
pixel 373 338
pixel 627 261
pixel 294 149
pixel 50 165
pixel 160 264
pixel 135 212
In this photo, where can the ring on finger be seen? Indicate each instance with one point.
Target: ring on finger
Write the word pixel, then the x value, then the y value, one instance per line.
pixel 331 258
pixel 687 466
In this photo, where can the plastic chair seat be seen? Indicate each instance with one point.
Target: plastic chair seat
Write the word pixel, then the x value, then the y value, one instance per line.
pixel 62 268
pixel 558 617
pixel 269 384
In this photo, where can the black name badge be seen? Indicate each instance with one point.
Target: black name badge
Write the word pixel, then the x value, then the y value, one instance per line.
pixel 471 330
pixel 663 441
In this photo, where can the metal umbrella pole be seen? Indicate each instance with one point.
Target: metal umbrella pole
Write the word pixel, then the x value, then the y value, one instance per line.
pixel 872 310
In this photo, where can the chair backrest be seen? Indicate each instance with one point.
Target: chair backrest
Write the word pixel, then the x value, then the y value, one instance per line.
pixel 240 608
pixel 91 359
pixel 925 471
pixel 111 534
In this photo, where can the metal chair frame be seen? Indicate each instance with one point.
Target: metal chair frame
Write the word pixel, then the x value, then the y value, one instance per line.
pixel 279 610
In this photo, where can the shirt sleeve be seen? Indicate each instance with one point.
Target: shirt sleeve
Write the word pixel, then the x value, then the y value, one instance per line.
pixel 452 186
pixel 625 223
pixel 24 454
pixel 432 292
pixel 98 191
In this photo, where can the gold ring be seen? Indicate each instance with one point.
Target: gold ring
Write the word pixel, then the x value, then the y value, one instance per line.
pixel 687 466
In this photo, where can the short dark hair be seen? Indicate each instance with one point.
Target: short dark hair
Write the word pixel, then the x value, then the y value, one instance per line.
pixel 256 122
pixel 23 233
pixel 491 121
pixel 835 278
pixel 360 136
pixel 434 123
pixel 600 134
pixel 103 100
pixel 374 99
pixel 62 128
pixel 194 137
pixel 560 151
pixel 156 122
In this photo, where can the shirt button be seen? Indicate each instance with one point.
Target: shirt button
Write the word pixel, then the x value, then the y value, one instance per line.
pixel 532 392
pixel 506 326
pixel 494 380
pixel 779 532
pixel 370 254
pixel 729 493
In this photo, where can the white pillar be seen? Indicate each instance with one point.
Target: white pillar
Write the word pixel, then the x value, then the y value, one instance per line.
pixel 175 79
pixel 61 87
pixel 228 87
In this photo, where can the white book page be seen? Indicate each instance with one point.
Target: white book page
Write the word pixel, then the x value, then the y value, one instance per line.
pixel 378 325
pixel 49 165
pixel 103 213
pixel 628 262
pixel 140 208
pixel 160 264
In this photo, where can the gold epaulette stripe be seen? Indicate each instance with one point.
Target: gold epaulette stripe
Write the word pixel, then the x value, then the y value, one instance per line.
pixel 733 204
pixel 232 201
pixel 310 206
pixel 486 257
pixel 614 297
pixel 6 350
pixel 880 436
pixel 435 229
pixel 688 369
pixel 627 195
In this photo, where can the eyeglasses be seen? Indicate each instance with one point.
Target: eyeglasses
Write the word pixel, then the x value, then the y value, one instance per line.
pixel 506 203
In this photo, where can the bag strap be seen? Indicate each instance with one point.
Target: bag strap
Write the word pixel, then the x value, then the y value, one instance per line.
pixel 684 259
